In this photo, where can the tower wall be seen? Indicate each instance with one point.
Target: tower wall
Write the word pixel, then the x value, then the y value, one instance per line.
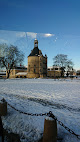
pixel 33 67
pixel 43 66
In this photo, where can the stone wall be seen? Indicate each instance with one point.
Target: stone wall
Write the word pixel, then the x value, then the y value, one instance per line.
pixel 37 66
pixel 33 67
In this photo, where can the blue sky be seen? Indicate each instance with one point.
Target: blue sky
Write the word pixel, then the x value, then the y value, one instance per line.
pixel 55 23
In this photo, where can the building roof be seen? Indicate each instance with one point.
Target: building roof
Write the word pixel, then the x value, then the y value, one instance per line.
pixel 20 67
pixel 21 73
pixel 35 52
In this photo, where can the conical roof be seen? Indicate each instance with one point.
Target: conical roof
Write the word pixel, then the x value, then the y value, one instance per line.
pixel 34 52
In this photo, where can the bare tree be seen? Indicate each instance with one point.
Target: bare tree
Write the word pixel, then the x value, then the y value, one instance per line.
pixel 69 67
pixel 63 62
pixel 10 57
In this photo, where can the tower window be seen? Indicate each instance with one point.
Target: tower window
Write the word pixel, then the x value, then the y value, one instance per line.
pixel 56 68
pixel 34 70
pixel 36 44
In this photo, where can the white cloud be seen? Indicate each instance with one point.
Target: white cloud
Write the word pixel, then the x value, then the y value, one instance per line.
pixel 21 34
pixel 32 35
pixel 48 35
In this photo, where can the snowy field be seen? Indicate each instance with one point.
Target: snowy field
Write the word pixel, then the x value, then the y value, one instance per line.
pixel 62 97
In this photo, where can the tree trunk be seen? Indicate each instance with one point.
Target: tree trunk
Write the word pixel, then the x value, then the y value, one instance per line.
pixel 8 73
pixel 62 73
pixel 67 74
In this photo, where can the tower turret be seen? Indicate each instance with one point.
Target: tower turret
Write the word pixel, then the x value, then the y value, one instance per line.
pixel 35 43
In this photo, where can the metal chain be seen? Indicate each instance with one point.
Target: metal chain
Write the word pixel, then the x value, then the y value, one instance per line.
pixel 35 114
pixel 50 114
pixel 69 130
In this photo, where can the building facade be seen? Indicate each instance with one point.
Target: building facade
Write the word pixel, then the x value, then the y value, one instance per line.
pixel 18 72
pixel 37 63
pixel 2 74
pixel 54 71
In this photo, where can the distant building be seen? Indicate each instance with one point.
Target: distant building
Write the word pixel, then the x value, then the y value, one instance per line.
pixel 37 63
pixel 78 73
pixel 18 72
pixel 73 73
pixel 54 71
pixel 2 74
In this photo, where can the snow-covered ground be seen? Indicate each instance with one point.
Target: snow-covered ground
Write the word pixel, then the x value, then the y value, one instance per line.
pixel 62 97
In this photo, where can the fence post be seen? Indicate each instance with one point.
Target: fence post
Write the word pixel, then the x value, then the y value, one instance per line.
pixel 3 107
pixel 1 131
pixel 50 131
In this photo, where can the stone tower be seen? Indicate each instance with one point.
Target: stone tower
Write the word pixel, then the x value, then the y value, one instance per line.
pixel 37 63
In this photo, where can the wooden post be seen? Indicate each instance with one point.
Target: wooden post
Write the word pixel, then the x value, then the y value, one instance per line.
pixel 50 131
pixel 1 131
pixel 3 107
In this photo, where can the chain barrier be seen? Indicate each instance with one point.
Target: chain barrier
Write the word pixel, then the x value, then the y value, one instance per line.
pixel 49 114
pixel 35 114
pixel 59 122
